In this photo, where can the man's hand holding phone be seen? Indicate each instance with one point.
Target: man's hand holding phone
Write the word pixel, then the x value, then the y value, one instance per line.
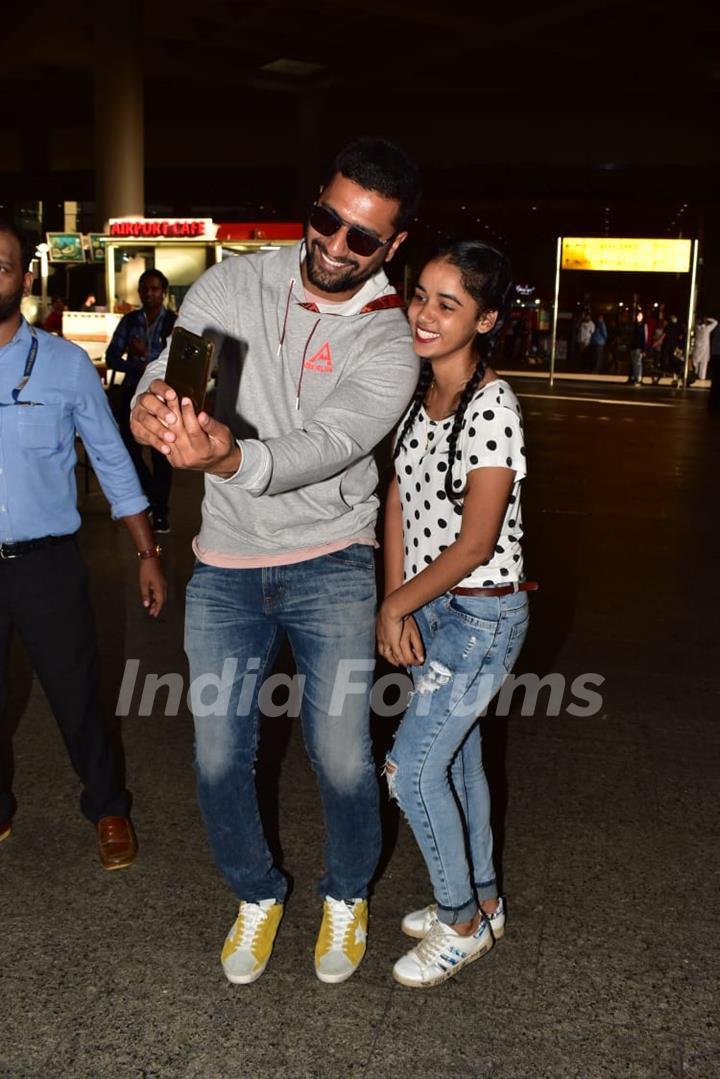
pixel 170 425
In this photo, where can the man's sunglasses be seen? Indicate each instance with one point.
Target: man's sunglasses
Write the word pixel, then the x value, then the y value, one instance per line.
pixel 327 222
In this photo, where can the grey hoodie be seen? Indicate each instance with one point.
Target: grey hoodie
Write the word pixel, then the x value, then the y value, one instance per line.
pixel 307 394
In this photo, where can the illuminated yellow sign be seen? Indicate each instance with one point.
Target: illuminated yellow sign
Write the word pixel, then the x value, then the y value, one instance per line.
pixel 612 253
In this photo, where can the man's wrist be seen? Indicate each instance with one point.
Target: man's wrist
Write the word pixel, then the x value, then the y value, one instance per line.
pixel 149 552
pixel 229 465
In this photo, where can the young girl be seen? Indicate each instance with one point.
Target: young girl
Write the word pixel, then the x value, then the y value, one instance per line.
pixel 455 610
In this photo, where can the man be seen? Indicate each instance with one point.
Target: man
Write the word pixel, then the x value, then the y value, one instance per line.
pixel 139 339
pixel 598 342
pixel 701 347
pixel 638 348
pixel 585 330
pixel 54 320
pixel 316 367
pixel 49 389
pixel 670 364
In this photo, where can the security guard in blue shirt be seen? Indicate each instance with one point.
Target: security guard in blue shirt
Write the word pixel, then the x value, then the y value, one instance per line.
pixel 49 391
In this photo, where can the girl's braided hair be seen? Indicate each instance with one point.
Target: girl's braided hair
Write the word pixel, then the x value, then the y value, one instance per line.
pixel 486 275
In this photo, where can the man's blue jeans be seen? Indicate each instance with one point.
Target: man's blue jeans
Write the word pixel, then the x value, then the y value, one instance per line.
pixel 235 622
pixel 435 767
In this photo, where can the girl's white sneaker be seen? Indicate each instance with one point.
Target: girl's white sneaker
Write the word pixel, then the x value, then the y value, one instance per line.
pixel 418 923
pixel 441 954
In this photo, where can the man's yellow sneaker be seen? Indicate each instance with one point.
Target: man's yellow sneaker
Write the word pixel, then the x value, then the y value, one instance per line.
pixel 249 943
pixel 341 941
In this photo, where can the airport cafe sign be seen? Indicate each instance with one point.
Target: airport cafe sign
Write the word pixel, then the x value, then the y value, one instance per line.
pixel 167 228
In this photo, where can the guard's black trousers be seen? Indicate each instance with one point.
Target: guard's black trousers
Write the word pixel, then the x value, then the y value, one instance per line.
pixel 44 596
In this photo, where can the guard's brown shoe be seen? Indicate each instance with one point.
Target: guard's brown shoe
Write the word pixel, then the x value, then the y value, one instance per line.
pixel 117 845
pixel 5 829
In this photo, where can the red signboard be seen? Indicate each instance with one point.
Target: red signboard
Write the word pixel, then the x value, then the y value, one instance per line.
pixel 150 227
pixel 259 230
pixel 203 228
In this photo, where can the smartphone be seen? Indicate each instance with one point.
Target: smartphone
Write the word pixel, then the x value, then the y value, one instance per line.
pixel 188 367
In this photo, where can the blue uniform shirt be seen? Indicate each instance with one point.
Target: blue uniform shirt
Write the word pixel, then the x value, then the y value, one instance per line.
pixel 134 324
pixel 38 492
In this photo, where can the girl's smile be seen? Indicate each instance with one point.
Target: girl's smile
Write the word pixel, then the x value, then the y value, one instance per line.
pixel 422 334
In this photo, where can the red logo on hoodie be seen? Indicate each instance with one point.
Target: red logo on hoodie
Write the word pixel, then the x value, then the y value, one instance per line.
pixel 321 361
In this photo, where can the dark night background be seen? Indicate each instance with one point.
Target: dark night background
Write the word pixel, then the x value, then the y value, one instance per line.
pixel 529 121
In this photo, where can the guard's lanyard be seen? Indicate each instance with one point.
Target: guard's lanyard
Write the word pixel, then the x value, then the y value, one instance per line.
pixel 150 328
pixel 29 364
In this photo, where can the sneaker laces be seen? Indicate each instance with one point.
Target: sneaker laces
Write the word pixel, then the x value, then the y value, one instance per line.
pixel 251 918
pixel 434 944
pixel 440 937
pixel 342 917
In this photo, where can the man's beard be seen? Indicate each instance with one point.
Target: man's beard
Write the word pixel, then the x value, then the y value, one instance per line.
pixel 353 278
pixel 10 305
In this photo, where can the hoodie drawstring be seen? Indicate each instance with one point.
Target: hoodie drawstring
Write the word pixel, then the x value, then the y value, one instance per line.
pixel 287 312
pixel 302 365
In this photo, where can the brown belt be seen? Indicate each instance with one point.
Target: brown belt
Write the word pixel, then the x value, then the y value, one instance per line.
pixel 501 590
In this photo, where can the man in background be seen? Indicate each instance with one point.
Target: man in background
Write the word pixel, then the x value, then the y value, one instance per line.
pixel 585 330
pixel 139 339
pixel 54 320
pixel 638 348
pixel 598 342
pixel 701 348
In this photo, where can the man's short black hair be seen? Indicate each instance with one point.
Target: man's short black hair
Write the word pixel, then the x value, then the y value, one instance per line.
pixel 379 165
pixel 27 244
pixel 154 273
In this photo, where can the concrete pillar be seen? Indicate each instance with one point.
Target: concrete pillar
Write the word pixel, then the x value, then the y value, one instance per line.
pixel 119 119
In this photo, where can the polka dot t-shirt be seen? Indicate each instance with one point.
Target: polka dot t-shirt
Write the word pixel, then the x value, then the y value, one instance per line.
pixel 491 436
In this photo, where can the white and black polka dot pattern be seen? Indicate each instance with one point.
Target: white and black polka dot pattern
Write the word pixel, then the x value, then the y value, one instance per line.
pixel 491 436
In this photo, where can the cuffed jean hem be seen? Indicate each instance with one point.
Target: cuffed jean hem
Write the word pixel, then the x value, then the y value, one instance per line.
pixel 454 916
pixel 486 891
